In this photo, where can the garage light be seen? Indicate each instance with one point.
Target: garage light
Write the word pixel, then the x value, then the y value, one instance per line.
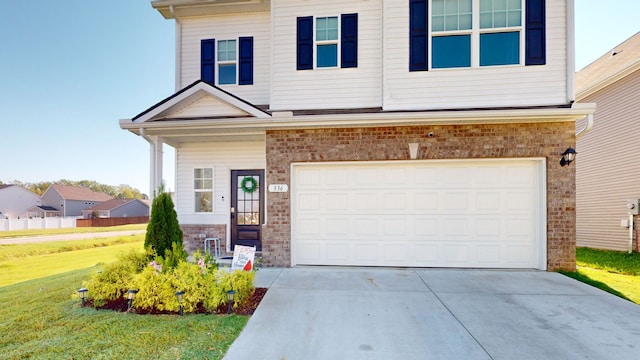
pixel 568 156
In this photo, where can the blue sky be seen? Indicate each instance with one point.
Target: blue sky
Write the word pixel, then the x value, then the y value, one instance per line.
pixel 70 69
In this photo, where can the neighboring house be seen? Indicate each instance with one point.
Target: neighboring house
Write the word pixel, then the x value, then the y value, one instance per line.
pixel 15 201
pixel 71 200
pixel 42 211
pixel 608 170
pixel 373 132
pixel 115 208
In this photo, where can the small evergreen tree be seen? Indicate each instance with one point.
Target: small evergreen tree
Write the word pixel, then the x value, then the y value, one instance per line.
pixel 163 232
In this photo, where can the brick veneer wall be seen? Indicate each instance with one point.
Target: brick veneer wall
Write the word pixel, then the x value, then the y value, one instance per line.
pixel 549 140
pixel 191 236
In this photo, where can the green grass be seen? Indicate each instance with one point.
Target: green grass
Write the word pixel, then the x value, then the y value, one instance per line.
pixel 20 268
pixel 613 261
pixel 18 251
pixel 42 319
pixel 612 271
pixel 36 232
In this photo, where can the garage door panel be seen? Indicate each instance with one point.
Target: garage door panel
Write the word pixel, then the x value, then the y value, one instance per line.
pixel 458 214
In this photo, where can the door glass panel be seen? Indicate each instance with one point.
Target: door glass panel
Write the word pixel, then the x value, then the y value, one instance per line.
pixel 248 209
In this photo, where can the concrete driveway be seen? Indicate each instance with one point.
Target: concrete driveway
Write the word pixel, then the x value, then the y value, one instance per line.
pixel 371 313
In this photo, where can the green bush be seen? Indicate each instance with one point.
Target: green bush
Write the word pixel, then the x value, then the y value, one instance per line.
pixel 203 284
pixel 114 280
pixel 163 229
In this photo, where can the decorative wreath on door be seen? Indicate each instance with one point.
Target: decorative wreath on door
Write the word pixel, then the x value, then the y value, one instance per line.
pixel 249 184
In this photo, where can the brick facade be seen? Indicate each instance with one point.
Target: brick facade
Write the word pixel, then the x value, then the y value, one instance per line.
pixel 192 240
pixel 549 140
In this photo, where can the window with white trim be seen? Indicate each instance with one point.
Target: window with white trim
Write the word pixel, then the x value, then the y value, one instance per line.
pixel 476 33
pixel 203 189
pixel 466 33
pixel 327 41
pixel 227 62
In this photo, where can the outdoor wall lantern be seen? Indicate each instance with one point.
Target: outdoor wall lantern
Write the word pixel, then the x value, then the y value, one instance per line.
pixel 131 295
pixel 82 292
pixel 179 296
pixel 568 156
pixel 230 295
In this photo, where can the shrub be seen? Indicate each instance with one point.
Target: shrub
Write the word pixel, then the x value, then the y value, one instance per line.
pixel 163 229
pixel 204 285
pixel 113 281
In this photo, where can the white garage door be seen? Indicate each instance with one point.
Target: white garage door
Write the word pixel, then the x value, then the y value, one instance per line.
pixel 486 214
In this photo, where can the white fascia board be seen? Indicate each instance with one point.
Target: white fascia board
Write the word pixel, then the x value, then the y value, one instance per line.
pixel 232 101
pixel 577 111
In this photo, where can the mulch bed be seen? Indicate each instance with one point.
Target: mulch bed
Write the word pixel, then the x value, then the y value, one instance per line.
pixel 246 308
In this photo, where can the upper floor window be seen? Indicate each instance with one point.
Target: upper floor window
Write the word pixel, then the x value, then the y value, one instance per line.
pixel 231 64
pixel 476 33
pixel 333 43
pixel 203 189
pixel 226 62
pixel 327 41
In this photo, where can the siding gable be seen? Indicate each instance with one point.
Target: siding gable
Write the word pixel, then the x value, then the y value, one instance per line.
pixel 204 106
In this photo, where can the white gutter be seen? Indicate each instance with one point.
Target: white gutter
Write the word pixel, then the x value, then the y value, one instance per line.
pixel 586 127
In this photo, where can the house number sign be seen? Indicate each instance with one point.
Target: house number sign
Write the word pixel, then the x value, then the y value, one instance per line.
pixel 278 188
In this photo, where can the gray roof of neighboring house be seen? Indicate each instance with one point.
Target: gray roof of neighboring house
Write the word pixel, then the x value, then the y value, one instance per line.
pixel 79 193
pixel 112 204
pixel 5 186
pixel 46 208
pixel 622 60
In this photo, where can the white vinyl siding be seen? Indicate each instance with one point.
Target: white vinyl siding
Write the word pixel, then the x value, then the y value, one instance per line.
pixel 226 27
pixel 222 157
pixel 501 86
pixel 326 88
pixel 485 214
pixel 607 167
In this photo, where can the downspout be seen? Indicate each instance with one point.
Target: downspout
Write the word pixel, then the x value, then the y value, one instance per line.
pixel 586 127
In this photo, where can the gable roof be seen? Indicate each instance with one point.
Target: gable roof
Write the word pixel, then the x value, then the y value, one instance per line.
pixel 79 193
pixel 616 64
pixel 45 208
pixel 112 204
pixel 177 106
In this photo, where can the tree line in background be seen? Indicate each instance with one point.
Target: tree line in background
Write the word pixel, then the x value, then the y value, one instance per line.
pixel 118 192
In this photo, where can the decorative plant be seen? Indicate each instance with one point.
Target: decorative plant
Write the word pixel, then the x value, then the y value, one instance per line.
pixel 164 230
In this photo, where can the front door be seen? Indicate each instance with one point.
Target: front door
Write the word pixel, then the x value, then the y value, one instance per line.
pixel 247 207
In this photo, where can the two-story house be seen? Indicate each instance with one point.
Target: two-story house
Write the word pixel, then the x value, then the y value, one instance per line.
pixel 71 200
pixel 421 133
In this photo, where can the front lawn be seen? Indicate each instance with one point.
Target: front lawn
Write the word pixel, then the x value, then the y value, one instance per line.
pixel 42 318
pixel 613 271
pixel 75 230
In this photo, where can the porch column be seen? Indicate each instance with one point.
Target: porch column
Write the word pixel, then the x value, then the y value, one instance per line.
pixel 155 164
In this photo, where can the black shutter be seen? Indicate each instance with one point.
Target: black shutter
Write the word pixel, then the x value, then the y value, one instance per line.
pixel 246 61
pixel 349 41
pixel 304 44
pixel 535 35
pixel 208 61
pixel 418 44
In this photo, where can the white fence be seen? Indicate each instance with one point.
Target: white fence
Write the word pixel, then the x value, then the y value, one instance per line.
pixel 37 223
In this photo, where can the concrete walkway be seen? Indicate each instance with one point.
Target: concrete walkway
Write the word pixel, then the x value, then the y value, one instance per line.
pixel 65 237
pixel 367 313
